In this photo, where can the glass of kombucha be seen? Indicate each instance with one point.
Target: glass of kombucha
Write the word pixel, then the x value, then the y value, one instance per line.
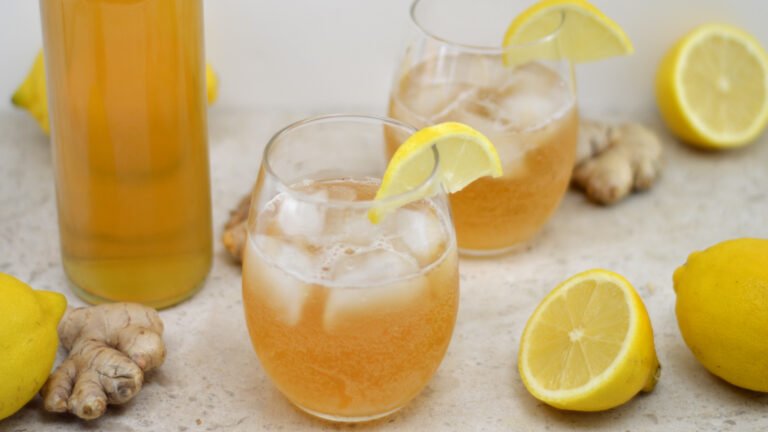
pixel 454 69
pixel 126 88
pixel 350 320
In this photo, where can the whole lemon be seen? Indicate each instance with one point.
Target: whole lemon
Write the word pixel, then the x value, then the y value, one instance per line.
pixel 28 340
pixel 722 310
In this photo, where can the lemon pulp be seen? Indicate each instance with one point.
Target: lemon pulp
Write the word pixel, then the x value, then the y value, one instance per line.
pixel 589 345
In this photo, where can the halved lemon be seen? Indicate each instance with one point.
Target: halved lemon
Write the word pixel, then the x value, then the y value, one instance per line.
pixel 712 87
pixel 464 153
pixel 583 33
pixel 589 344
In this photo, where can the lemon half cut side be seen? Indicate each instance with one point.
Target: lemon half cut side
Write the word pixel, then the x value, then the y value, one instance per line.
pixel 712 87
pixel 589 344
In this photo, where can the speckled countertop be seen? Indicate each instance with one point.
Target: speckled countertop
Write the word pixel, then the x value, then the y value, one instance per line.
pixel 212 379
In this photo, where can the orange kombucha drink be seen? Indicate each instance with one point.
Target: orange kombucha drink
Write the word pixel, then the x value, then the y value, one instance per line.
pixel 530 115
pixel 350 320
pixel 128 128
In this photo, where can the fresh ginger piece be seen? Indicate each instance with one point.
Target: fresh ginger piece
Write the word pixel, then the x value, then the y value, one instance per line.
pixel 594 138
pixel 110 347
pixel 236 229
pixel 615 160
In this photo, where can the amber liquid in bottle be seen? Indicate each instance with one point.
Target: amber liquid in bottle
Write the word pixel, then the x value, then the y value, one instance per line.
pixel 126 89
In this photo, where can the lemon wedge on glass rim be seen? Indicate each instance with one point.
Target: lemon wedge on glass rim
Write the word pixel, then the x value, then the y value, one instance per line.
pixel 576 30
pixel 712 87
pixel 589 344
pixel 464 156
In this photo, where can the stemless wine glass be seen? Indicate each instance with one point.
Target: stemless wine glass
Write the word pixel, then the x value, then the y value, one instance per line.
pixel 521 96
pixel 350 320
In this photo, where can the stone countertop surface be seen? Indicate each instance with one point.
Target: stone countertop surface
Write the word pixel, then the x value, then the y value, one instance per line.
pixel 212 380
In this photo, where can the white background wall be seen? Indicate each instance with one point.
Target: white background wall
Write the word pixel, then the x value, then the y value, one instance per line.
pixel 339 54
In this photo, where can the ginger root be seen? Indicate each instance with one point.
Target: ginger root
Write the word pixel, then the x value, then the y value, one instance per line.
pixel 612 161
pixel 236 230
pixel 110 347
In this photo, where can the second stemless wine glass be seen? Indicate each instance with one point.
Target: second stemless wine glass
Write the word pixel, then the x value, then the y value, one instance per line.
pixel 349 319
pixel 455 69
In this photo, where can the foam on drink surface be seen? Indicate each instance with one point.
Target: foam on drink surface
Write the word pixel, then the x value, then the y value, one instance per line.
pixel 320 240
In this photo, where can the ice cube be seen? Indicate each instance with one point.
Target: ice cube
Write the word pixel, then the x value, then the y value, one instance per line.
pixel 525 110
pixel 335 224
pixel 274 266
pixel 422 232
pixel 299 217
pixel 479 111
pixel 533 96
pixel 371 265
pixel 348 305
pixel 431 101
pixel 360 231
pixel 350 226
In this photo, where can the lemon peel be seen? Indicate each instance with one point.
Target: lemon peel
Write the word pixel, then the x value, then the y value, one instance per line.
pixel 712 87
pixel 572 29
pixel 28 340
pixel 589 344
pixel 464 156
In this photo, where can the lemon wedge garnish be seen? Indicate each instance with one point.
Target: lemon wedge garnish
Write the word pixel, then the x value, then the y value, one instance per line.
pixel 580 32
pixel 464 156
pixel 589 344
pixel 712 87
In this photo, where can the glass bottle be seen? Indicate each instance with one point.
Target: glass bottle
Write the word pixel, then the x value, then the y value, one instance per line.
pixel 126 87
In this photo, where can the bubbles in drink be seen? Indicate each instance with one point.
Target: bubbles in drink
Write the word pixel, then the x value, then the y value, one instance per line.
pixel 303 241
pixel 361 312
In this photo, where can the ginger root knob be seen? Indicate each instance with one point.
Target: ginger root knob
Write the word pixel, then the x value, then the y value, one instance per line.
pixel 612 161
pixel 236 229
pixel 110 347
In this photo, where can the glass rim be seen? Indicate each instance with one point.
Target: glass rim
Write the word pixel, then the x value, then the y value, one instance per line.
pixel 483 49
pixel 420 191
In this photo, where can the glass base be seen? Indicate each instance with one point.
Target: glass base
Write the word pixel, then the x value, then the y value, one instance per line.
pixel 158 304
pixel 158 282
pixel 484 253
pixel 342 419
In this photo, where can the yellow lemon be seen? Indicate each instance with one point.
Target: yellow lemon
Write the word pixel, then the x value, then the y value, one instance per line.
pixel 211 84
pixel 28 341
pixel 722 310
pixel 589 344
pixel 32 94
pixel 582 33
pixel 464 156
pixel 712 87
